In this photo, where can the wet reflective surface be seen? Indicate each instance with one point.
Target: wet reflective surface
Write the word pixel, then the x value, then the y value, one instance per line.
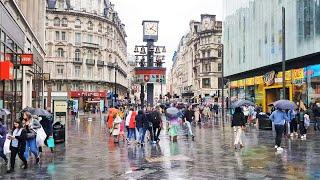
pixel 91 154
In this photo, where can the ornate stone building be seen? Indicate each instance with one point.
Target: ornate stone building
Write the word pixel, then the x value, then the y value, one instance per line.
pixel 197 63
pixel 86 52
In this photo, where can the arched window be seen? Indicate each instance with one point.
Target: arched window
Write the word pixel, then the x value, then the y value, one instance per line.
pixel 77 23
pixel 56 21
pixel 90 25
pixel 99 28
pixel 90 55
pixel 60 52
pixel 77 55
pixel 64 22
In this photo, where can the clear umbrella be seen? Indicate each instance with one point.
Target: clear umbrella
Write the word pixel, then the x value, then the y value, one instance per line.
pixel 4 112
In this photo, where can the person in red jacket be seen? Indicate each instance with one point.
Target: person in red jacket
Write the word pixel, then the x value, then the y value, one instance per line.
pixel 132 123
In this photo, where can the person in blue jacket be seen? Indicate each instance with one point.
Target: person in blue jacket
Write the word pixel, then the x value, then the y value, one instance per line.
pixel 279 117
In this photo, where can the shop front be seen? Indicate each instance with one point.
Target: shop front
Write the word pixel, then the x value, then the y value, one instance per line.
pixel 89 100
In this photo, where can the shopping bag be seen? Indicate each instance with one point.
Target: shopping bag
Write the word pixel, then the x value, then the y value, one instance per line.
pixel 6 147
pixel 50 142
pixel 41 137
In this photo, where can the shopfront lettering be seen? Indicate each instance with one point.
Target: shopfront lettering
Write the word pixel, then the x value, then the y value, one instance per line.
pixel 268 78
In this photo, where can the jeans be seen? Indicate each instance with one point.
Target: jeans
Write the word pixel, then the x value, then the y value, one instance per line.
pixel 14 152
pixel 131 133
pixel 142 133
pixel 293 126
pixel 4 157
pixel 317 124
pixel 237 135
pixel 279 131
pixel 31 143
pixel 156 132
pixel 302 128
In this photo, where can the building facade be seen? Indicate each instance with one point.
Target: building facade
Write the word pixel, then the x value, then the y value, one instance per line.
pixel 253 50
pixel 197 63
pixel 20 34
pixel 86 53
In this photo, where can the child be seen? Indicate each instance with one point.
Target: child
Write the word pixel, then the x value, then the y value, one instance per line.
pixel 306 125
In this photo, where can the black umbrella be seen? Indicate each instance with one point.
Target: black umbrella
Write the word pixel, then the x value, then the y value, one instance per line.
pixel 40 112
pixel 240 103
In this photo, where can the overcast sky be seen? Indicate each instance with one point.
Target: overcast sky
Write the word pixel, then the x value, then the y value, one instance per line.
pixel 174 17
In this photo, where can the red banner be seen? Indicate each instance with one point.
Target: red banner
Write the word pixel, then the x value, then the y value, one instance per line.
pixel 26 59
pixel 160 71
pixel 6 70
pixel 75 94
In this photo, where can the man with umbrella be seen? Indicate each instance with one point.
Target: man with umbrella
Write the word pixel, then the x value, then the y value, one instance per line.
pixel 278 117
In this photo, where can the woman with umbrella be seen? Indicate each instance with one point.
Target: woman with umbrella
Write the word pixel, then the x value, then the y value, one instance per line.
pixel 238 123
pixel 173 116
pixel 278 117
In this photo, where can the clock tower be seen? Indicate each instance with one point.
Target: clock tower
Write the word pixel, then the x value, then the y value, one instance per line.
pixel 150 31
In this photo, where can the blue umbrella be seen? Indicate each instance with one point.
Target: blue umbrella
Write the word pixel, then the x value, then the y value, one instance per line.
pixel 240 103
pixel 285 104
pixel 172 112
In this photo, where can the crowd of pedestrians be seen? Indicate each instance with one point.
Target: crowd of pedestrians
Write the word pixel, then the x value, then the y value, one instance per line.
pixel 28 135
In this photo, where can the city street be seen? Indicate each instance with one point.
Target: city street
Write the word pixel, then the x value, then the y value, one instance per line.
pixel 91 154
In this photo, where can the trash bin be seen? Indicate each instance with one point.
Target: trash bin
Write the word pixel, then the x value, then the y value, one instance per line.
pixel 264 121
pixel 58 132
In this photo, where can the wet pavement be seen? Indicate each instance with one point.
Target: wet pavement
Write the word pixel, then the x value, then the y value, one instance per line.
pixel 91 154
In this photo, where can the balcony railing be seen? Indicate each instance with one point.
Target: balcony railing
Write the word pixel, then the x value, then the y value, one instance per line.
pixel 90 61
pixel 77 61
pixel 90 45
pixel 100 63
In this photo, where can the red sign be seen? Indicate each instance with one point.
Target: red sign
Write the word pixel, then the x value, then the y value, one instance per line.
pixel 160 71
pixel 26 59
pixel 6 70
pixel 88 94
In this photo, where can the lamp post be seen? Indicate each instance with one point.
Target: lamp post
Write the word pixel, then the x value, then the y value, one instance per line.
pixel 283 53
pixel 115 65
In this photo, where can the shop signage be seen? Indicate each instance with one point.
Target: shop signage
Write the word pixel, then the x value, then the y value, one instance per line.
pixel 26 59
pixel 268 78
pixel 88 94
pixel 288 75
pixel 241 83
pixel 234 84
pixel 258 80
pixel 249 81
pixel 150 78
pixel 60 106
pixel 297 74
pixel 6 70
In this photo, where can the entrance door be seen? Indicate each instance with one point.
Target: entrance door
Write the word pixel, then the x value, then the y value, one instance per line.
pixel 274 94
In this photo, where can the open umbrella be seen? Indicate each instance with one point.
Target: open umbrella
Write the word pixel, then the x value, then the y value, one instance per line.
pixel 40 112
pixel 285 104
pixel 172 112
pixel 28 109
pixel 4 112
pixel 240 103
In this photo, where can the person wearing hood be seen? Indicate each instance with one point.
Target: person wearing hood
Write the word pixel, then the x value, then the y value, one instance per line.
pixel 238 123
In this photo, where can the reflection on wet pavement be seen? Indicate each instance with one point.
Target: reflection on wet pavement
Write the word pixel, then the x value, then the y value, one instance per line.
pixel 91 154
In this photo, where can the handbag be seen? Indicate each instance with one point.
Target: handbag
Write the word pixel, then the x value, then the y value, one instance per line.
pixel 6 146
pixel 50 142
pixel 41 137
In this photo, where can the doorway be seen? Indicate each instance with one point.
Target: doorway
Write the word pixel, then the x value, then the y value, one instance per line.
pixel 274 94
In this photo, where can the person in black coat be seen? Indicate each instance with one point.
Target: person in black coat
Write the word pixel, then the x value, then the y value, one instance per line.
pixel 141 125
pixel 18 145
pixel 238 123
pixel 156 123
pixel 189 114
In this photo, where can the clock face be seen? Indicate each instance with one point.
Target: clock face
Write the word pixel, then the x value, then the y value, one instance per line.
pixel 151 28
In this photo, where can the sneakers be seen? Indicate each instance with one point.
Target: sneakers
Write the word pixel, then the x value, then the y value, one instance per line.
pixel 192 137
pixel 304 137
pixel 279 149
pixel 296 133
pixel 241 145
pixel 37 160
pixel 10 171
pixel 291 134
pixel 275 146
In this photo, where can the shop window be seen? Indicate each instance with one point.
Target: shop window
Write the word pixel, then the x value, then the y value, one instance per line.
pixel 56 21
pixel 206 83
pixel 77 23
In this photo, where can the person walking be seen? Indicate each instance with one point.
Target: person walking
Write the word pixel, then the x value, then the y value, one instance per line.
pixel 306 123
pixel 316 113
pixel 31 125
pixel 238 123
pixel 131 122
pixel 197 115
pixel 156 124
pixel 187 120
pixel 18 145
pixel 278 117
pixel 206 113
pixel 46 123
pixel 142 126
pixel 292 115
pixel 3 135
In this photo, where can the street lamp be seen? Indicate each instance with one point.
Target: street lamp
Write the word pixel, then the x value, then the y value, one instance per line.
pixel 115 65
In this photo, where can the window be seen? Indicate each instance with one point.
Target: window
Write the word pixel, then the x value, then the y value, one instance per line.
pixel 90 38
pixel 209 53
pixel 59 87
pixel 77 38
pixel 206 82
pixel 77 71
pixel 203 54
pixel 77 23
pixel 60 69
pixel 90 55
pixel 219 53
pixel 77 55
pixel 90 25
pixel 99 28
pixel 60 52
pixel 219 66
pixel 56 21
pixel 89 71
pixel 63 36
pixel 64 22
pixel 57 35
pixel 100 40
pixel 100 72
pixel 75 87
pixel 206 67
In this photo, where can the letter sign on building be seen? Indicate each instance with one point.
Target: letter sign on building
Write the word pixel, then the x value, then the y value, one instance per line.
pixel 26 59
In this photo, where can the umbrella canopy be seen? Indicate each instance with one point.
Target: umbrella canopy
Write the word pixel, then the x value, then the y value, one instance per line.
pixel 4 112
pixel 172 112
pixel 285 104
pixel 28 109
pixel 40 112
pixel 240 103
